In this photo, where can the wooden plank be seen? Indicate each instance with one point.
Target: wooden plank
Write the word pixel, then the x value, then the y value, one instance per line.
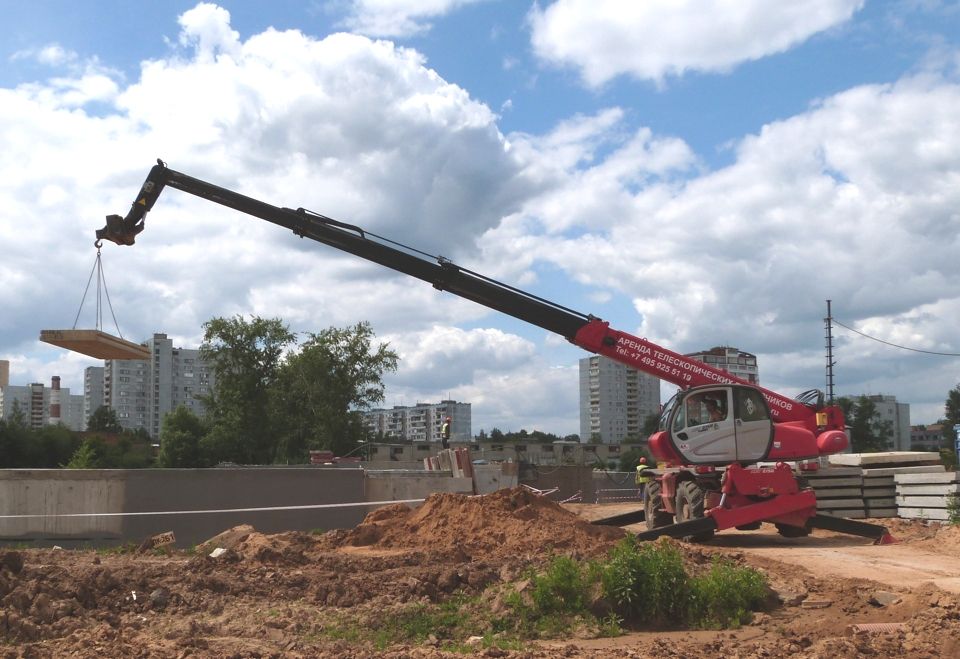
pixel 95 343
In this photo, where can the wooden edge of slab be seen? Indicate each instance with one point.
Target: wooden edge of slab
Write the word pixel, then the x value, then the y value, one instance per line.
pixel 95 343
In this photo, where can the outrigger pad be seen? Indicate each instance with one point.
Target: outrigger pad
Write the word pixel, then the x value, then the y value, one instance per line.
pixel 95 343
pixel 681 530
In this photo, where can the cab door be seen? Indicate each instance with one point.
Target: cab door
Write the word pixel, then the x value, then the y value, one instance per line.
pixel 703 427
pixel 753 424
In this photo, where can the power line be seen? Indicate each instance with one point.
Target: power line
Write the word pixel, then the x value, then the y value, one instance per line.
pixel 894 345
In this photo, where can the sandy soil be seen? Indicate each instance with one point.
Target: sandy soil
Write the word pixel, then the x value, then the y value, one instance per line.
pixel 277 596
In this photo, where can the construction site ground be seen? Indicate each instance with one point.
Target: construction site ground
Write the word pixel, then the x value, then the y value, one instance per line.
pixel 283 595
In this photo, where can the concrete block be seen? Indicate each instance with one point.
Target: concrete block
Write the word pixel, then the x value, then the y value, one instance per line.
pixel 879 492
pixel 839 504
pixel 921 502
pixel 937 514
pixel 876 480
pixel 849 513
pixel 830 472
pixel 890 471
pixel 838 493
pixel 887 502
pixel 818 483
pixel 882 512
pixel 887 459
pixel 927 479
pixel 929 490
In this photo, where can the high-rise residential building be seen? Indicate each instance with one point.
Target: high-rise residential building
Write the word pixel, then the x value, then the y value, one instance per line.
pixel 42 405
pixel 143 392
pixel 4 373
pixel 421 422
pixel 739 364
pixel 92 392
pixel 615 400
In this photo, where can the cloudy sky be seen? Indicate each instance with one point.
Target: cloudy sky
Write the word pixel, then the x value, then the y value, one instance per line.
pixel 699 173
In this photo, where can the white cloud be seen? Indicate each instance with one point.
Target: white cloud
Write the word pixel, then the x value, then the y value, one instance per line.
pixel 657 39
pixel 855 200
pixel 397 18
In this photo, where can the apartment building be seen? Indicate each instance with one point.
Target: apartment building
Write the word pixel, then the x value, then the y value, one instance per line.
pixel 739 364
pixel 615 400
pixel 143 392
pixel 421 422
pixel 41 405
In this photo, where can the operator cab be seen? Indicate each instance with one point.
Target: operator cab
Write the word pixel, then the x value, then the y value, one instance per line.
pixel 718 425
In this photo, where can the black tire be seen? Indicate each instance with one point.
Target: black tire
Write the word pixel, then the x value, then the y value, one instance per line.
pixel 788 531
pixel 653 512
pixel 690 505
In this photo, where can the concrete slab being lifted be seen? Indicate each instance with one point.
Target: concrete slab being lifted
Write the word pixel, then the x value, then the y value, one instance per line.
pixel 95 343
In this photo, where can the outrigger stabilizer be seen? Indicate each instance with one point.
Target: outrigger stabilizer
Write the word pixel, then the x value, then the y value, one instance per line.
pixel 708 524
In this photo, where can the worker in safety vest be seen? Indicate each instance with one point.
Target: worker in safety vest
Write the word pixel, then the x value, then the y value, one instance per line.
pixel 643 478
pixel 445 433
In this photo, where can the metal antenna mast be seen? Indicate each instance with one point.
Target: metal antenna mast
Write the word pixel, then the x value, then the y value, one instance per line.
pixel 828 322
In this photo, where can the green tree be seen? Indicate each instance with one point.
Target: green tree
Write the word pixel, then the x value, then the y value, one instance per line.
pixel 868 432
pixel 321 389
pixel 90 455
pixel 104 419
pixel 52 446
pixel 951 408
pixel 246 357
pixel 180 439
pixel 14 443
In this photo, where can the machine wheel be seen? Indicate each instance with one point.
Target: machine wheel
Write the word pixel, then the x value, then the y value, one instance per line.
pixel 788 531
pixel 653 511
pixel 690 504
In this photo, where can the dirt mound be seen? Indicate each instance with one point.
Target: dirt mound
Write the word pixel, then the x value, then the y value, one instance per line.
pixel 936 537
pixel 512 522
pixel 305 595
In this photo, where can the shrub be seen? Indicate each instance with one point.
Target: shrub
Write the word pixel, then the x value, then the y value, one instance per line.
pixel 953 508
pixel 646 582
pixel 725 596
pixel 563 588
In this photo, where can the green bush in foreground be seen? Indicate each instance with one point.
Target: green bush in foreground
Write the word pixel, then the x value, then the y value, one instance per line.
pixel 726 595
pixel 645 584
pixel 953 508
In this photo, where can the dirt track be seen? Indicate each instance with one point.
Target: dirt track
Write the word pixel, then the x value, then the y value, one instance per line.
pixel 283 595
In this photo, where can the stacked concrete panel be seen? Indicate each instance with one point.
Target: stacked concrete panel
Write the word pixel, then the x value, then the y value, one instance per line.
pixel 862 484
pixel 839 491
pixel 924 495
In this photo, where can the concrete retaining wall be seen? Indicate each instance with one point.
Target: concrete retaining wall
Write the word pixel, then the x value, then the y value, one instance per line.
pixel 75 491
pixel 191 502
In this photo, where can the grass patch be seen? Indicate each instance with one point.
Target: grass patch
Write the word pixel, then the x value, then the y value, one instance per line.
pixel 637 586
pixel 641 586
pixel 953 508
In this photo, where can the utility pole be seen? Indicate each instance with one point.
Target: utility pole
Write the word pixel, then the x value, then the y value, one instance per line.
pixel 828 323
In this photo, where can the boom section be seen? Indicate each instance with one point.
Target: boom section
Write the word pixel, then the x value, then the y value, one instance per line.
pixel 677 369
pixel 442 274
